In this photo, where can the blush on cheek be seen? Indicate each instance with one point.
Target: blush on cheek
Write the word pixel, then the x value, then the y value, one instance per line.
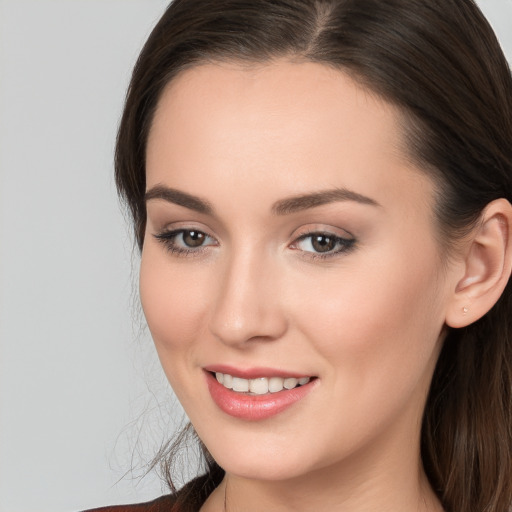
pixel 380 322
pixel 172 308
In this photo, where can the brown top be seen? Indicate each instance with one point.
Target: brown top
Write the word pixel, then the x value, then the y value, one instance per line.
pixel 162 504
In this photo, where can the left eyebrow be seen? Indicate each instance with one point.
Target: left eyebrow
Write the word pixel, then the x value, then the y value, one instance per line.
pixel 304 202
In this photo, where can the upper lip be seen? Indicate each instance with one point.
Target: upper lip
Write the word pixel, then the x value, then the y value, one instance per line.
pixel 253 373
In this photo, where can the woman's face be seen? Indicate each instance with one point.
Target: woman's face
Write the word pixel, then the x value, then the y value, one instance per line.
pixel 289 240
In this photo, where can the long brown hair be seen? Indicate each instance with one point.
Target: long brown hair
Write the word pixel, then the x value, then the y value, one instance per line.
pixel 439 62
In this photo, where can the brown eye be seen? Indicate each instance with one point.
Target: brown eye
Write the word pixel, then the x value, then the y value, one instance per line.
pixel 185 242
pixel 193 238
pixel 323 243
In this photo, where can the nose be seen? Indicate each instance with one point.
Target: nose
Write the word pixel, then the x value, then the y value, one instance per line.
pixel 248 306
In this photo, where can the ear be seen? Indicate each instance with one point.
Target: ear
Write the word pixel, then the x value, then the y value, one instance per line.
pixel 487 264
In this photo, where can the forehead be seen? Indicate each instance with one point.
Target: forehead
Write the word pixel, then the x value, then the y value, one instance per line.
pixel 301 125
pixel 274 96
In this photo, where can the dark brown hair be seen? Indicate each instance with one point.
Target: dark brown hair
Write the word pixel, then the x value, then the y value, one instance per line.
pixel 439 62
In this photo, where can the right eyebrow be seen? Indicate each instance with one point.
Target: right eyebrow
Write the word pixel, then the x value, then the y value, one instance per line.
pixel 180 198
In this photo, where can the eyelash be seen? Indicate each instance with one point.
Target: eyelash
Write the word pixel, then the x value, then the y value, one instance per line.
pixel 345 245
pixel 168 239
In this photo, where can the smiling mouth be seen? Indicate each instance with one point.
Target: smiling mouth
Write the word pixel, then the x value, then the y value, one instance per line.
pixel 261 385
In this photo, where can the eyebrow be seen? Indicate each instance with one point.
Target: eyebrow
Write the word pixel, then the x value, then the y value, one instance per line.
pixel 180 198
pixel 304 202
pixel 282 207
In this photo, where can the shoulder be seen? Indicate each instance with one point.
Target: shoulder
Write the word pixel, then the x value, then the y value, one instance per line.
pixel 189 498
pixel 162 504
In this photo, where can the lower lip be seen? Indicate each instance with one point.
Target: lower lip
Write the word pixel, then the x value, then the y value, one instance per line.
pixel 255 407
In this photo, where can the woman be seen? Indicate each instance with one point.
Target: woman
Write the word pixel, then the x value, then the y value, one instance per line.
pixel 320 191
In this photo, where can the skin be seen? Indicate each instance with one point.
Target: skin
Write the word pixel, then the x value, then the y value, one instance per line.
pixel 368 322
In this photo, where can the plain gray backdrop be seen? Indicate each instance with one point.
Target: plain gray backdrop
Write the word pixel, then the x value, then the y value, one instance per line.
pixel 82 396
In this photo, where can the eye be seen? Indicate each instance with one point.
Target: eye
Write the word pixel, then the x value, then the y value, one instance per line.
pixel 192 238
pixel 185 241
pixel 323 244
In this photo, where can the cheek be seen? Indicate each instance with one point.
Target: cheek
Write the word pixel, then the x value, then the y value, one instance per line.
pixel 377 331
pixel 379 320
pixel 172 301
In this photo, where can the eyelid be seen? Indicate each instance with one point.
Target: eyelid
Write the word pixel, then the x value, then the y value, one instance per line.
pixel 167 237
pixel 345 241
pixel 324 229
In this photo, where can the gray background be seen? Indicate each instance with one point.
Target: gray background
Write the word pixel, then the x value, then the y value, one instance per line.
pixel 82 396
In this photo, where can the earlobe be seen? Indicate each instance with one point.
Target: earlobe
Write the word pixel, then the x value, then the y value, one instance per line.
pixel 487 266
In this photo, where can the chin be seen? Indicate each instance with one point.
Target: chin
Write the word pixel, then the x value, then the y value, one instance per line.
pixel 262 468
pixel 261 456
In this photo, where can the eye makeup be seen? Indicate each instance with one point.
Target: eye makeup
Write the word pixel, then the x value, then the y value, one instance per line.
pixel 185 242
pixel 322 245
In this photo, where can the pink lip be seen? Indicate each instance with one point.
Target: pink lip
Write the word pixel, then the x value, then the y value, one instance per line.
pixel 252 373
pixel 254 407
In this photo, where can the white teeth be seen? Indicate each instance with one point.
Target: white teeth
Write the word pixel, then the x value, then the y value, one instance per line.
pixel 227 381
pixel 290 383
pixel 275 384
pixel 240 385
pixel 260 386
